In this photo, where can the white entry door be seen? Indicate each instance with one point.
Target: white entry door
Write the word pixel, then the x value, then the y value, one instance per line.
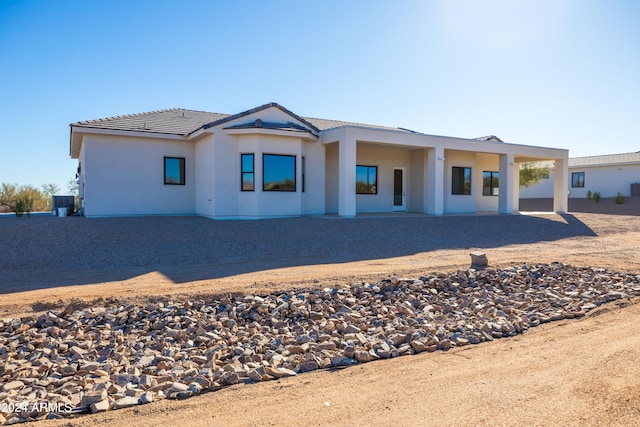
pixel 399 197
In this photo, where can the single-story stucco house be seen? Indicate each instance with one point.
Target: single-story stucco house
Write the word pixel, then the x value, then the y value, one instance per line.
pixel 607 174
pixel 269 162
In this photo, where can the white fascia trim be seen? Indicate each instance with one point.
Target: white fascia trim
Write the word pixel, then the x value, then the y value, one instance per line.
pixel 400 138
pixel 491 144
pixel 604 165
pixel 520 150
pixel 78 132
pixel 367 134
pixel 198 134
pixel 138 134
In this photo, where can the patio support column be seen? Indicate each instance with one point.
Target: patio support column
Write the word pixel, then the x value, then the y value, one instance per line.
pixel 347 175
pixel 561 186
pixel 505 185
pixel 516 187
pixel 434 185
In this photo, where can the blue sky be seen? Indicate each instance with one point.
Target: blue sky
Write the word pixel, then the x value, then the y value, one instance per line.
pixel 560 73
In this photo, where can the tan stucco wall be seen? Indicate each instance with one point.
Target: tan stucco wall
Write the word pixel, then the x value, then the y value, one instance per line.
pixel 416 180
pixel 219 156
pixel 331 178
pixel 205 176
pixel 125 176
pixel 386 159
pixel 489 163
pixel 459 203
pixel 608 180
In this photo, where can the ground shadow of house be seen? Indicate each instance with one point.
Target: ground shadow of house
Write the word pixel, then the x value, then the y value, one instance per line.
pixel 192 248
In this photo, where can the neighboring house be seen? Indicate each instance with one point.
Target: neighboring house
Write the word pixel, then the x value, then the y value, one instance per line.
pixel 608 174
pixel 269 162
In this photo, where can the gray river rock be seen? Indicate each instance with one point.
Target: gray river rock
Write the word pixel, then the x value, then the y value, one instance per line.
pixel 95 359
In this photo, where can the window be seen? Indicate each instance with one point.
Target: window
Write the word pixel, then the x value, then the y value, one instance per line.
pixel 460 180
pixel 577 179
pixel 366 179
pixel 247 172
pixel 278 172
pixel 174 170
pixel 302 166
pixel 490 181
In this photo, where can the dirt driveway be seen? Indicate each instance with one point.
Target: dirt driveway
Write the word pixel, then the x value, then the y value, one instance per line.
pixel 574 372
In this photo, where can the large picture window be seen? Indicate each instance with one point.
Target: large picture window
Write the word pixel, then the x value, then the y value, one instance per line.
pixel 278 172
pixel 174 170
pixel 366 179
pixel 490 183
pixel 247 172
pixel 577 179
pixel 460 180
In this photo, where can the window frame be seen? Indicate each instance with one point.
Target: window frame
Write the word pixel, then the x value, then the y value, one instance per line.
pixel 466 190
pixel 182 170
pixel 580 182
pixel 302 170
pixel 252 172
pixel 494 190
pixel 368 183
pixel 295 171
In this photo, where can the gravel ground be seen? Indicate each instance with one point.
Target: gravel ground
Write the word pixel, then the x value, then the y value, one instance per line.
pixel 45 245
pixel 157 243
pixel 507 382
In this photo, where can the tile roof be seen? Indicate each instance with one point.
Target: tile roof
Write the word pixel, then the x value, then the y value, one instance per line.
pixel 324 124
pixel 606 159
pixel 175 121
pixel 178 121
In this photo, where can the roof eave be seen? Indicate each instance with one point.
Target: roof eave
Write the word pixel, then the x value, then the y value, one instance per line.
pixel 77 132
pixel 75 142
pixel 604 165
pixel 130 132
pixel 277 132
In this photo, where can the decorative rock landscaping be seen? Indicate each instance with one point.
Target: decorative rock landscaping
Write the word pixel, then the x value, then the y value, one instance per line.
pixel 101 358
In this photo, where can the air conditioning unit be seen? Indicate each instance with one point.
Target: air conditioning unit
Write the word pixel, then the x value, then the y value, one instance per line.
pixel 63 202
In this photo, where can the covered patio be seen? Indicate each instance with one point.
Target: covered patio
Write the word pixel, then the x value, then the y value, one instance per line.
pixel 414 172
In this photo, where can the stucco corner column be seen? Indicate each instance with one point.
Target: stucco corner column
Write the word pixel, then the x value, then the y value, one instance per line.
pixel 516 186
pixel 505 185
pixel 347 176
pixel 561 185
pixel 434 183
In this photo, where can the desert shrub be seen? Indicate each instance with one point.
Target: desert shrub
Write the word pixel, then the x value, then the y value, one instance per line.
pixel 32 198
pixel 619 198
pixel 24 205
pixel 596 196
pixel 588 194
pixel 533 172
pixel 19 207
